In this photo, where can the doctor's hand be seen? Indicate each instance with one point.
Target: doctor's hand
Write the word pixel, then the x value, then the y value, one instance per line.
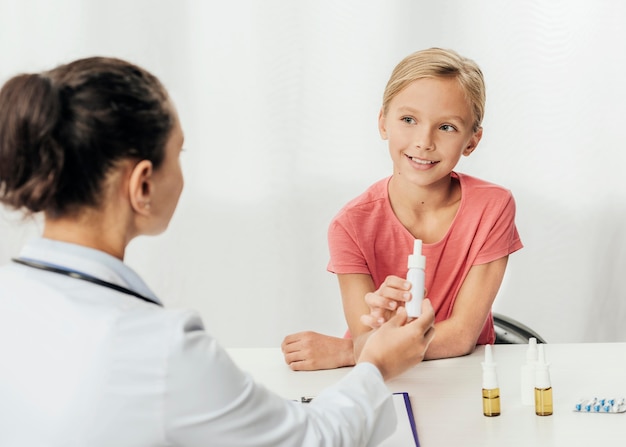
pixel 399 344
pixel 392 294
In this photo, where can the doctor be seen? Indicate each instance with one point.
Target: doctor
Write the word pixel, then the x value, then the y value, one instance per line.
pixel 89 355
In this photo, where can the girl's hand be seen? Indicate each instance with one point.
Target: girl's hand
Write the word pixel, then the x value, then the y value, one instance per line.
pixel 394 292
pixel 310 351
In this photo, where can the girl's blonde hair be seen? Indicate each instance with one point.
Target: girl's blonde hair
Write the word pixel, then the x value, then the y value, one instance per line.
pixel 434 63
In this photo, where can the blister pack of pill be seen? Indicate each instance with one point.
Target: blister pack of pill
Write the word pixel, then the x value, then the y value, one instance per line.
pixel 601 405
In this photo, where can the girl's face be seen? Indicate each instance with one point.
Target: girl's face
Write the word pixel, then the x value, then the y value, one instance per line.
pixel 429 126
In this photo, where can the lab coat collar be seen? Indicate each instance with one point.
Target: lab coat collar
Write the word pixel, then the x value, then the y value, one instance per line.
pixel 86 260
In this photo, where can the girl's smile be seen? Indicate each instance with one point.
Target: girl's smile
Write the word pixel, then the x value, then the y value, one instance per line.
pixel 420 163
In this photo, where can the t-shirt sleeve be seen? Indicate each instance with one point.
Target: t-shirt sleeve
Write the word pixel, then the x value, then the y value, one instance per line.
pixel 345 254
pixel 502 238
pixel 210 401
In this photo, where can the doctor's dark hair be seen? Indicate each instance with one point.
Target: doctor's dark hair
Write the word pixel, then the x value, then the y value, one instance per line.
pixel 63 130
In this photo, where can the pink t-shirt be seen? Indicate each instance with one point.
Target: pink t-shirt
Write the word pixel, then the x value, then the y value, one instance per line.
pixel 367 237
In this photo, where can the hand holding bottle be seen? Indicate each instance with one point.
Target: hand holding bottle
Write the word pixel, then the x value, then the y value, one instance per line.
pixel 399 344
pixel 393 293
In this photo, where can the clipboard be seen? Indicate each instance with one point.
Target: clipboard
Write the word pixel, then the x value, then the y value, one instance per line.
pixel 406 432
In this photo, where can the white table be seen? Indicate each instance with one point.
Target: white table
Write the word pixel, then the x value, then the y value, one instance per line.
pixel 447 401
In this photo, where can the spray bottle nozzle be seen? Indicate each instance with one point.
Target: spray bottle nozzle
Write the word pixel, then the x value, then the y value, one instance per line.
pixel 417 247
pixel 489 356
pixel 531 352
pixel 417 260
pixel 542 356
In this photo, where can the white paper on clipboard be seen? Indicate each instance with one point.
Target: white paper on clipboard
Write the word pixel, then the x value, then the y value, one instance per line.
pixel 406 433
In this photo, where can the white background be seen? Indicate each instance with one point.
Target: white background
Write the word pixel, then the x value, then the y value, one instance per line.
pixel 279 101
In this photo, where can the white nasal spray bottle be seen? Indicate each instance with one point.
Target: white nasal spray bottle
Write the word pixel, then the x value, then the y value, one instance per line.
pixel 528 373
pixel 415 275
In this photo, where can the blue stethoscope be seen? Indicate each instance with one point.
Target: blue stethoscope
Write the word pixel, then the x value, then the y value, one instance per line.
pixel 84 277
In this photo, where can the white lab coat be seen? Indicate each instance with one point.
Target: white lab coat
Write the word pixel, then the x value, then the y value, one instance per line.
pixel 83 365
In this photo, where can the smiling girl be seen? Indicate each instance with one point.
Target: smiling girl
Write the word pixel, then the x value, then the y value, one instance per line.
pixel 431 115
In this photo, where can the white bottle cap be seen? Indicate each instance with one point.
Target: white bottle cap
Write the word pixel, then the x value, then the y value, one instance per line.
pixel 490 379
pixel 531 352
pixel 542 373
pixel 417 260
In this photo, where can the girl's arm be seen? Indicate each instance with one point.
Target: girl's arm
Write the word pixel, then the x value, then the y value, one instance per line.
pixel 310 351
pixel 354 287
pixel 458 334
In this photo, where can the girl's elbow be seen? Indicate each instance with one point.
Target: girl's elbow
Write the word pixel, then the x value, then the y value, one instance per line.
pixel 467 346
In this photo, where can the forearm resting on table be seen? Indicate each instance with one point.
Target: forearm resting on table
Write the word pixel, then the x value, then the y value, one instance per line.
pixel 451 341
pixel 458 334
pixel 310 351
pixel 448 342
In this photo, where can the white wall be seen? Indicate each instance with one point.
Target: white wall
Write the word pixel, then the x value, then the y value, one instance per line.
pixel 279 102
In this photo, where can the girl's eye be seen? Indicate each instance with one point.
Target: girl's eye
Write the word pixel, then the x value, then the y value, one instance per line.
pixel 448 128
pixel 408 120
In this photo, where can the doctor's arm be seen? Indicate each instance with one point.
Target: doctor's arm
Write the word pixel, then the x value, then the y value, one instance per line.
pixel 209 399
